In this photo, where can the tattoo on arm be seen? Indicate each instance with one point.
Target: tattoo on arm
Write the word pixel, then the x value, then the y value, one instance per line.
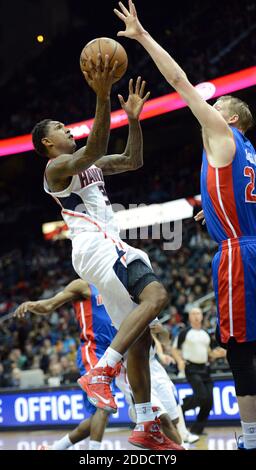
pixel 65 166
pixel 97 142
pixel 131 159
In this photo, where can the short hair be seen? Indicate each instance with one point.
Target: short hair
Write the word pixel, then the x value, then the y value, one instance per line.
pixel 38 133
pixel 240 108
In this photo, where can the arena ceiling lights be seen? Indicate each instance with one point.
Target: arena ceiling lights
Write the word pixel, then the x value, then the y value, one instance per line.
pixel 220 86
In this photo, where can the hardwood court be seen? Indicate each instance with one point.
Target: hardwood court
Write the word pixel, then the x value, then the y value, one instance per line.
pixel 217 438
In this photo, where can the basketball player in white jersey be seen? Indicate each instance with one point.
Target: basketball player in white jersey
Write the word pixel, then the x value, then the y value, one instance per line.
pixel 130 290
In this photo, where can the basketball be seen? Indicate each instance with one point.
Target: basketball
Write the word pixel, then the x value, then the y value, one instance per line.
pixel 105 46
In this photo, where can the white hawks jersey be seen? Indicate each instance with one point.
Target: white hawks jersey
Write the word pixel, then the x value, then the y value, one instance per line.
pixel 85 206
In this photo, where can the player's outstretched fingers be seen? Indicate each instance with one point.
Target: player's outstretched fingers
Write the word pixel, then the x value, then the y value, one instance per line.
pixel 142 89
pixel 121 99
pixel 87 77
pixel 106 66
pixel 146 97
pixel 98 62
pixel 113 71
pixel 137 88
pixel 131 86
pixel 123 8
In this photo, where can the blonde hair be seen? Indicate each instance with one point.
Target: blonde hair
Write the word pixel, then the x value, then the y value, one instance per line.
pixel 239 107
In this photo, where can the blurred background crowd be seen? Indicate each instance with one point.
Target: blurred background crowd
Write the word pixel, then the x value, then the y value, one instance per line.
pixel 208 39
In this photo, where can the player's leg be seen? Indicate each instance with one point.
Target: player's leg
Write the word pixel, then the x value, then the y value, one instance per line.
pixel 81 432
pixel 171 402
pixel 94 427
pixel 147 433
pixel 241 358
pixel 99 422
pixel 144 432
pixel 139 376
pixel 152 301
pixel 120 272
pixel 169 427
pixel 239 304
pixel 117 283
pixel 162 397
pixel 120 283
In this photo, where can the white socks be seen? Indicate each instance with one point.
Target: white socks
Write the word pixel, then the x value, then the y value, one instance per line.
pixel 109 358
pixel 249 435
pixel 62 444
pixel 94 445
pixel 144 412
pixel 181 426
pixel 65 443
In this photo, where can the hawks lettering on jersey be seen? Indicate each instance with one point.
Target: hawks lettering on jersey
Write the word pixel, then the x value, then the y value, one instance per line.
pixel 90 176
pixel 85 206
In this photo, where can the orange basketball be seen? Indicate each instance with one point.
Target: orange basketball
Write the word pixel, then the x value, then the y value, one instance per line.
pixel 105 46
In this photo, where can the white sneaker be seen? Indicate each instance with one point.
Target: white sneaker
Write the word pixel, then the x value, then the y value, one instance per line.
pixel 191 438
pixel 185 445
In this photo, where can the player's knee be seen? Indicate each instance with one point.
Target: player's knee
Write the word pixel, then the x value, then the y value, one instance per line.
pixel 162 297
pixel 245 381
pixel 159 299
pixel 240 357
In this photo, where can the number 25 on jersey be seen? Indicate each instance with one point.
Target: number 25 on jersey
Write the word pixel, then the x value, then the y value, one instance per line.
pixel 250 196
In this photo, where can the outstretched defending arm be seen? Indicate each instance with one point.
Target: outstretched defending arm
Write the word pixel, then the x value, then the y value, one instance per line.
pixel 213 124
pixel 76 290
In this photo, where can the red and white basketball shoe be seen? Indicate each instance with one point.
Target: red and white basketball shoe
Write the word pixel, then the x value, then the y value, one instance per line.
pixel 96 384
pixel 148 436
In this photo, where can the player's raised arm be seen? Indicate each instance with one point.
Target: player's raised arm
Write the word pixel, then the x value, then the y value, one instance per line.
pixel 77 289
pixel 132 157
pixel 210 119
pixel 101 82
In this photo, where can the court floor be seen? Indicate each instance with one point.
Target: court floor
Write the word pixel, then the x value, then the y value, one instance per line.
pixel 216 438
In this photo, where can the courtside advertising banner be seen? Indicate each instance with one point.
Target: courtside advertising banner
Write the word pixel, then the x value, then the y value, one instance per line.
pixel 55 407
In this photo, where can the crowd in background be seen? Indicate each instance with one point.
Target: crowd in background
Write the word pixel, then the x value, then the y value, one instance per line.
pixel 50 342
pixel 52 86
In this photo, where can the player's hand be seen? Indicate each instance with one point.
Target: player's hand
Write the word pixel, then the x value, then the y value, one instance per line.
pixel 157 328
pixel 219 353
pixel 38 307
pixel 101 77
pixel 165 359
pixel 200 216
pixel 136 99
pixel 21 311
pixel 131 21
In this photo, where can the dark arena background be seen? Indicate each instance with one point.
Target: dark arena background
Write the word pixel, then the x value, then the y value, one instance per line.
pixel 215 43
